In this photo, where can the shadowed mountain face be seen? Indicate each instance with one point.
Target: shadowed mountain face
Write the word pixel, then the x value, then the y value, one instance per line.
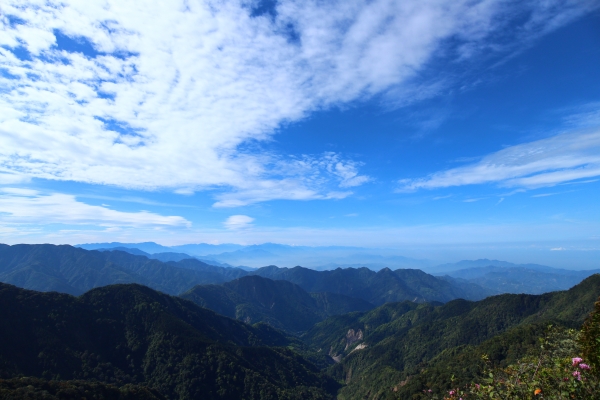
pixel 385 348
pixel 130 334
pixel 281 304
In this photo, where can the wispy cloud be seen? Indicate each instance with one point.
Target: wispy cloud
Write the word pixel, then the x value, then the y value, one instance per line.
pixel 547 194
pixel 24 206
pixel 130 199
pixel 474 200
pixel 547 162
pixel 167 104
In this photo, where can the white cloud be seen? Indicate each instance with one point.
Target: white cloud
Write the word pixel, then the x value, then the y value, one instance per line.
pixel 547 162
pixel 23 206
pixel 238 222
pixel 166 104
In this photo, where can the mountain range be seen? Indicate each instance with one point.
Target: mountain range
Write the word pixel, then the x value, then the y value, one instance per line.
pixel 506 277
pixel 494 275
pixel 280 333
pixel 256 256
pixel 74 270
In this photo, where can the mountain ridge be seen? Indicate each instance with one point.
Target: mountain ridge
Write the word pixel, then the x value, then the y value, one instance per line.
pixel 282 304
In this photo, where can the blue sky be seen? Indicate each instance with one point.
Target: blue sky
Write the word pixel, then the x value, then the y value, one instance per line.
pixel 445 129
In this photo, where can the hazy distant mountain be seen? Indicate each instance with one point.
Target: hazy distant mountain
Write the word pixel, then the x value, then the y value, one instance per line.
pixel 505 277
pixel 256 256
pixel 164 257
pixel 484 262
pixel 281 304
pixel 148 247
pixel 130 334
pixel 203 249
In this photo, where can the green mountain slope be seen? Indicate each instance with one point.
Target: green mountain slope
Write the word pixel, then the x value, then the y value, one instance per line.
pixel 281 304
pixel 398 341
pixel 376 287
pixel 130 334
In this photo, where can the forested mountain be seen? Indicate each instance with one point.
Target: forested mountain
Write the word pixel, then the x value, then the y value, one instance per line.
pixel 73 270
pixel 377 287
pixel 281 304
pixel 400 349
pixel 130 334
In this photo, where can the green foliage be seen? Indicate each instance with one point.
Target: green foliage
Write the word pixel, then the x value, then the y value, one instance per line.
pixel 590 339
pixel 39 389
pixel 552 370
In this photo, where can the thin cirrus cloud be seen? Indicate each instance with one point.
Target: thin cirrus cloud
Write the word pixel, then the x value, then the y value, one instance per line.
pixel 25 206
pixel 556 160
pixel 167 104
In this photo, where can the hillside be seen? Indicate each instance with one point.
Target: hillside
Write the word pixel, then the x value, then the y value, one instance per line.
pixel 281 304
pixel 130 334
pixel 378 287
pixel 381 348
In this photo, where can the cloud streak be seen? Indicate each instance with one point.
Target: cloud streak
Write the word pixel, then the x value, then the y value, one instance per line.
pixel 548 162
pixel 168 104
pixel 24 206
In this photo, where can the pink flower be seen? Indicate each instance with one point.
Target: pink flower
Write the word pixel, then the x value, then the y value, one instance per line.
pixel 577 375
pixel 477 385
pixel 584 366
pixel 577 360
pixel 451 393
